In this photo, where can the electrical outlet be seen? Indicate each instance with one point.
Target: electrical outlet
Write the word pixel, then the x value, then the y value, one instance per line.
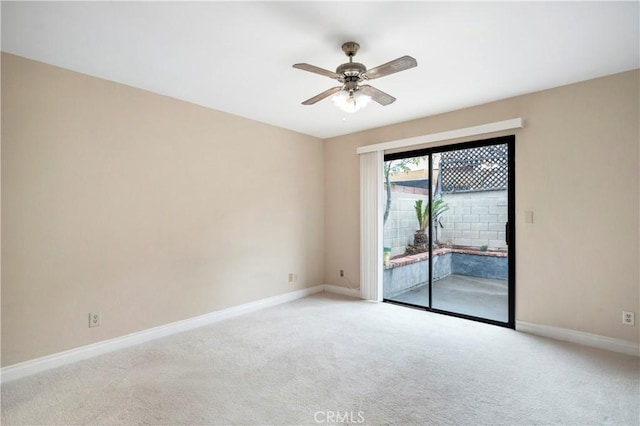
pixel 628 318
pixel 342 272
pixel 292 277
pixel 95 319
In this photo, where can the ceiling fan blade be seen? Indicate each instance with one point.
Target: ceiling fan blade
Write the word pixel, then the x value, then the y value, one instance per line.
pixel 322 95
pixel 397 65
pixel 377 95
pixel 317 70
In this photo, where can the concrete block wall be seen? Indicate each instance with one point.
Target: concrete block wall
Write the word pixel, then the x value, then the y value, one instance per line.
pixel 475 219
pixel 402 222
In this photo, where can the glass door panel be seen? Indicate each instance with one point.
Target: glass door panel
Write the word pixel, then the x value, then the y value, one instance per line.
pixel 405 240
pixel 470 214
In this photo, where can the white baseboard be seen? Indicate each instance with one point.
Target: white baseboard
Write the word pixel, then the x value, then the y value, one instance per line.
pixel 27 368
pixel 351 292
pixel 580 337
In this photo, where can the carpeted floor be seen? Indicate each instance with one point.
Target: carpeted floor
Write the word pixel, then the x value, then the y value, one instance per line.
pixel 327 359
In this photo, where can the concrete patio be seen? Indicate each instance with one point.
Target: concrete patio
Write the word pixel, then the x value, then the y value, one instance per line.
pixel 480 297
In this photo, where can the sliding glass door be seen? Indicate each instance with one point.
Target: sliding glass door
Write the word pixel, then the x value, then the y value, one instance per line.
pixel 447 240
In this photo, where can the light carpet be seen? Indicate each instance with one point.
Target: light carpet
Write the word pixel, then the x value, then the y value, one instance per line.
pixel 328 359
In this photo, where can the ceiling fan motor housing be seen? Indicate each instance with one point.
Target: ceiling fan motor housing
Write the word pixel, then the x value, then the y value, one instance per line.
pixel 351 69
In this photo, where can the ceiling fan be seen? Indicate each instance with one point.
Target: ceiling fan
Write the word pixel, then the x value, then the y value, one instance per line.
pixel 351 95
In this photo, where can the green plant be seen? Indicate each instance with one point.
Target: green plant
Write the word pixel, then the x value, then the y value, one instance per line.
pixel 422 213
pixel 484 247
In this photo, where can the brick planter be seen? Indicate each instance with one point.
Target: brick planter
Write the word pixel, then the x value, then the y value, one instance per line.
pixel 408 272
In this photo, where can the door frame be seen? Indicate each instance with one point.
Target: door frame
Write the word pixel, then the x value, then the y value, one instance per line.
pixel 511 223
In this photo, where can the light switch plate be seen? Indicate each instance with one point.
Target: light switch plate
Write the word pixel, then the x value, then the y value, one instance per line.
pixel 528 216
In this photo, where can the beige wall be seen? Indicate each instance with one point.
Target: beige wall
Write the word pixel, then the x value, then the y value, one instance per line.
pixel 117 200
pixel 577 168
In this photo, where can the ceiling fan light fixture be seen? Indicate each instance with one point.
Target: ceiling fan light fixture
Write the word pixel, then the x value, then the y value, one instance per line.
pixel 350 101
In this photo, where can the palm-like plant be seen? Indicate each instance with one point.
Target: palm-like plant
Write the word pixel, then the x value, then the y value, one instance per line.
pixel 439 206
pixel 422 214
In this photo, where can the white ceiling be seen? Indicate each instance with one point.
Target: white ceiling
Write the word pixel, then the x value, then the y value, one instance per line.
pixel 237 57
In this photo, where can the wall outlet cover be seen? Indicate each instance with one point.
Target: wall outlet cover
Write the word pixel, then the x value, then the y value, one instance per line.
pixel 95 319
